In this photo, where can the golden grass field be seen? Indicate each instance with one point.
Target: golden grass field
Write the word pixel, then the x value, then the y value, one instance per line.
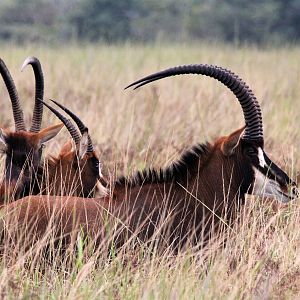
pixel 151 127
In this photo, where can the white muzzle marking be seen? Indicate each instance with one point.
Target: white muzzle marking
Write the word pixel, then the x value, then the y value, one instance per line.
pixel 267 187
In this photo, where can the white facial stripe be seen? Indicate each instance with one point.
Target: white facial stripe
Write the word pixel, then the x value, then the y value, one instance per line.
pixel 261 158
pixel 100 170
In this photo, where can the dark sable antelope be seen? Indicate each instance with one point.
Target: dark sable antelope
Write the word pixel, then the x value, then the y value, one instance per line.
pixel 23 149
pixel 182 203
pixel 76 169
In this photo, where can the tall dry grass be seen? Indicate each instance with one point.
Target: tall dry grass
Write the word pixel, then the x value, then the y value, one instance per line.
pixel 151 127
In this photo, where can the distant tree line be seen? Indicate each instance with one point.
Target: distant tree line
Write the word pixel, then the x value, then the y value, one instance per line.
pixel 238 21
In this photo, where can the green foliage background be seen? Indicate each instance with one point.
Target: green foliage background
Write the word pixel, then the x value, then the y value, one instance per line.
pixel 237 21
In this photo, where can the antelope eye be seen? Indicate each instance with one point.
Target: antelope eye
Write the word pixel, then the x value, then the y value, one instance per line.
pixel 251 151
pixel 97 165
pixel 43 146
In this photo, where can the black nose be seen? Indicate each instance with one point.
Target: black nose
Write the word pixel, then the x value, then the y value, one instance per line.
pixel 295 191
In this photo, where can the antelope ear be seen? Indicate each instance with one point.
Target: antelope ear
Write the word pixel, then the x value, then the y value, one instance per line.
pixel 83 145
pixel 3 145
pixel 50 132
pixel 231 142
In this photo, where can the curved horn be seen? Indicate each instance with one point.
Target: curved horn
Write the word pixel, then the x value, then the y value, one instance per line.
pixel 71 128
pixel 249 104
pixel 39 92
pixel 79 123
pixel 14 97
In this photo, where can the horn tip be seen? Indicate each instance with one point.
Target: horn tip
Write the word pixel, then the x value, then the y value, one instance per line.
pixel 130 85
pixel 29 61
pixel 54 101
pixel 25 63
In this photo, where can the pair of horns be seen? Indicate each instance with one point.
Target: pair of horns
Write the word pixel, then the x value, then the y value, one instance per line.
pixel 246 98
pixel 69 125
pixel 14 97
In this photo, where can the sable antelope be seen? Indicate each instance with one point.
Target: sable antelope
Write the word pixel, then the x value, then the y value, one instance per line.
pixel 23 149
pixel 76 170
pixel 182 202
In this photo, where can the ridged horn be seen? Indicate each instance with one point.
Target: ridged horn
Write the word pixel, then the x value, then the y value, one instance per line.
pixel 14 97
pixel 39 92
pixel 82 128
pixel 248 102
pixel 71 128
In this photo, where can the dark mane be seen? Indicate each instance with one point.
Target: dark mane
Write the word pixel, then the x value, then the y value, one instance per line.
pixel 178 171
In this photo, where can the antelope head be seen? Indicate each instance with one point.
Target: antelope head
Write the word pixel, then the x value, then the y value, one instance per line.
pixel 259 174
pixel 77 169
pixel 241 155
pixel 23 149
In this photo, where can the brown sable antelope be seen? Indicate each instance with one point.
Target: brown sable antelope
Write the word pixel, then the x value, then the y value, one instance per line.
pixel 181 204
pixel 23 149
pixel 76 170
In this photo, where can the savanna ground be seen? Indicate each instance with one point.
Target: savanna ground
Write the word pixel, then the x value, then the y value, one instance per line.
pixel 151 127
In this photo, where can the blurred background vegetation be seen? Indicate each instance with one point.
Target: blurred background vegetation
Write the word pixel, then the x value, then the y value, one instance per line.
pixel 233 21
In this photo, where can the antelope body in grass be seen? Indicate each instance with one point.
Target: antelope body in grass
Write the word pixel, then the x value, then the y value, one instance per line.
pixel 181 204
